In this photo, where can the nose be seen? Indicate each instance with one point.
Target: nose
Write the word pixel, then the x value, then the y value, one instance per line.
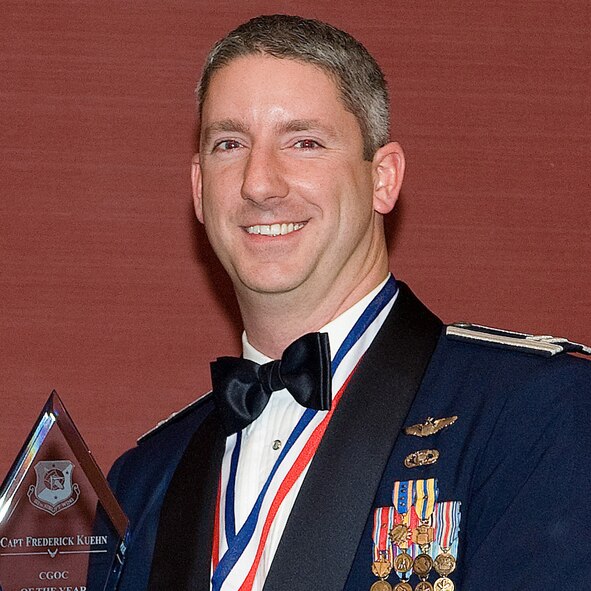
pixel 263 178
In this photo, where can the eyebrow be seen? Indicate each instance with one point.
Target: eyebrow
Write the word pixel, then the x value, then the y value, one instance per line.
pixel 229 125
pixel 293 125
pixel 305 125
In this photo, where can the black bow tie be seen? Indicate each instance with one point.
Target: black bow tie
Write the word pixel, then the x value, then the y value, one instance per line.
pixel 242 388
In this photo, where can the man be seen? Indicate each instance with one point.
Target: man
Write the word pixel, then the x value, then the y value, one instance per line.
pixel 445 457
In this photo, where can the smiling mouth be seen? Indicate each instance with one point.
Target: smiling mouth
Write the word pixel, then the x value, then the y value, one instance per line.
pixel 275 229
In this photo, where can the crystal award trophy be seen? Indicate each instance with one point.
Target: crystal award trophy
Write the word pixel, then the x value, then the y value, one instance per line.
pixel 61 528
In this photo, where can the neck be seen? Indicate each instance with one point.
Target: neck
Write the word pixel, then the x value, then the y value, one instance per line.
pixel 273 321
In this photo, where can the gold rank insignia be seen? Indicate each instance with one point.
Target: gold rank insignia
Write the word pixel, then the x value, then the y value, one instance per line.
pixel 430 426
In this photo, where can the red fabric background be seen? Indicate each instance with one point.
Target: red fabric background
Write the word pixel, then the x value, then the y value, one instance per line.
pixel 108 289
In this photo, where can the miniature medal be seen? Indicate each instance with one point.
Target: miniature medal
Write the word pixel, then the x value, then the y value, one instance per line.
pixel 447 519
pixel 381 568
pixel 400 534
pixel 403 562
pixel 381 586
pixel 443 584
pixel 423 535
pixel 424 586
pixel 382 548
pixel 444 563
pixel 422 565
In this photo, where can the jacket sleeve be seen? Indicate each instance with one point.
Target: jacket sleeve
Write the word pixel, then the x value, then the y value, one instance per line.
pixel 529 515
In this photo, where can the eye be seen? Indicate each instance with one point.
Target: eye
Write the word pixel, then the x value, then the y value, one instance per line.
pixel 226 145
pixel 307 144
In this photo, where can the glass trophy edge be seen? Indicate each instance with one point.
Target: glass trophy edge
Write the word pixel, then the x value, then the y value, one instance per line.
pixel 89 465
pixel 25 458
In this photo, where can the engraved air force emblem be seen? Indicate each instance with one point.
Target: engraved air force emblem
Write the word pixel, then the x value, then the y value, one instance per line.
pixel 54 490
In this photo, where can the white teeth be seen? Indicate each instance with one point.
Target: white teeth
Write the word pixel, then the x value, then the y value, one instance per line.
pixel 275 229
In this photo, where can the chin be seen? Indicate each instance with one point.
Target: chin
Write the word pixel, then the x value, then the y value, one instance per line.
pixel 267 281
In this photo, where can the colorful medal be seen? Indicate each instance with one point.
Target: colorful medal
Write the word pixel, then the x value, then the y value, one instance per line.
pixel 422 565
pixel 443 584
pixel 402 563
pixel 383 520
pixel 444 563
pixel 400 534
pixel 447 519
pixel 426 492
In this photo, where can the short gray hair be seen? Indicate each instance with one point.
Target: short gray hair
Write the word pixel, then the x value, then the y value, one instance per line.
pixel 358 77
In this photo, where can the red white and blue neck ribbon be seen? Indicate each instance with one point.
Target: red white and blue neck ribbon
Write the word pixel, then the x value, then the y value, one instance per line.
pixel 236 555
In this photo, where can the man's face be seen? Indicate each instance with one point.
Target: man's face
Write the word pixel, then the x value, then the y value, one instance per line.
pixel 280 181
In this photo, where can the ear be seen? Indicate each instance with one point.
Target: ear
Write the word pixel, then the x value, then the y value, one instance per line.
pixel 387 172
pixel 197 183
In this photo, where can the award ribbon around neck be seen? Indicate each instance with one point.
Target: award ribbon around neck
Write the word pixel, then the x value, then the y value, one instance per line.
pixel 251 539
pixel 230 521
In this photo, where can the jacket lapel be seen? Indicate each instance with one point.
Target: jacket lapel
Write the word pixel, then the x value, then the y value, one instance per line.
pixel 325 526
pixel 182 554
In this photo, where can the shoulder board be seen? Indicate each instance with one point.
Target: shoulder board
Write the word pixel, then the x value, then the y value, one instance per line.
pixel 539 344
pixel 175 416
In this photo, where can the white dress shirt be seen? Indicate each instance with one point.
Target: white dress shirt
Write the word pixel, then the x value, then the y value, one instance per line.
pixel 263 439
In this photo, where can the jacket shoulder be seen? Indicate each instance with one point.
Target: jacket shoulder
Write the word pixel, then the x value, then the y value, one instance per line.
pixel 545 345
pixel 176 419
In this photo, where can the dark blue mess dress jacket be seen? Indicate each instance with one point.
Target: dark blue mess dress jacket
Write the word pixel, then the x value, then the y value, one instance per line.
pixel 518 458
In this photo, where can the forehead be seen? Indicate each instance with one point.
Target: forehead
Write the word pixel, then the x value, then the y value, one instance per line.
pixel 262 86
